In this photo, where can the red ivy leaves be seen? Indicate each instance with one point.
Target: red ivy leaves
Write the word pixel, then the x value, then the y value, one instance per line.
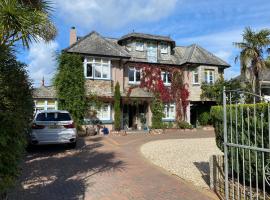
pixel 151 80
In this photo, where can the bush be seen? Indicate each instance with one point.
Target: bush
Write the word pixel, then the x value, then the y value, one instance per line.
pixel 16 111
pixel 157 113
pixel 117 109
pixel 243 135
pixel 184 125
pixel 204 118
pixel 69 83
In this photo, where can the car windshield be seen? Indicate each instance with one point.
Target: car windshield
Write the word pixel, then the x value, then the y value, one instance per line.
pixel 53 117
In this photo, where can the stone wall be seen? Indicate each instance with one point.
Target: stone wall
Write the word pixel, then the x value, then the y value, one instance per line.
pixel 99 87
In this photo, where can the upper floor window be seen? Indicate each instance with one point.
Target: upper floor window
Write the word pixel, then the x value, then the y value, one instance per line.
pixel 97 68
pixel 166 78
pixel 164 48
pixel 169 111
pixel 196 76
pixel 134 75
pixel 139 46
pixel 209 76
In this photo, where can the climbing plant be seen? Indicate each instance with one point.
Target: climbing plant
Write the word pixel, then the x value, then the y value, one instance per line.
pixel 151 80
pixel 117 109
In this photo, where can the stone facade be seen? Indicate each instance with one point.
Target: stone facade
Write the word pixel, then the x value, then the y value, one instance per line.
pixel 99 87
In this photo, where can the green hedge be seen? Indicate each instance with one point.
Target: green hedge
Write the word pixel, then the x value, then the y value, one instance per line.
pixel 243 136
pixel 16 111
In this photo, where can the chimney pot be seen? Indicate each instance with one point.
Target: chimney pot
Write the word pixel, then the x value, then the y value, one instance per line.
pixel 72 36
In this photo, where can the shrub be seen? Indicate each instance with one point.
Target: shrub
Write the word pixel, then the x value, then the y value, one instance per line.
pixel 157 113
pixel 204 118
pixel 184 125
pixel 243 135
pixel 69 83
pixel 16 111
pixel 117 109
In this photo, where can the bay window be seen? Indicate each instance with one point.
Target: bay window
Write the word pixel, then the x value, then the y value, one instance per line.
pixel 209 76
pixel 104 113
pixel 196 76
pixel 134 75
pixel 166 78
pixel 169 111
pixel 97 68
pixel 163 48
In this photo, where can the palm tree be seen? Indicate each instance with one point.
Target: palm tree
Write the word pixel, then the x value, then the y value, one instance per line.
pixel 25 21
pixel 252 54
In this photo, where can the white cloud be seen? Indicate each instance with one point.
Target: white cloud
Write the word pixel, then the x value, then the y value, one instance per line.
pixel 42 61
pixel 113 13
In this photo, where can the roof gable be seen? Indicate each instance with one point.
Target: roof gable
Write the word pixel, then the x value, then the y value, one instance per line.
pixel 95 44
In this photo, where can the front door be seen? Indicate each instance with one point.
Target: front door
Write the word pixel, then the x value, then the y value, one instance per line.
pixel 152 52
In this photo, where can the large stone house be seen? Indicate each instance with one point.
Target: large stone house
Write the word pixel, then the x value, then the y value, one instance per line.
pixel 111 60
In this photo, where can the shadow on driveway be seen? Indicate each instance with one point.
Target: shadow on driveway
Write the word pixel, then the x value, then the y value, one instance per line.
pixel 56 172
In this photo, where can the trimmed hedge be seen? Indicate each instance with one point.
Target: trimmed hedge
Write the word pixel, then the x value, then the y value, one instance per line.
pixel 16 111
pixel 261 122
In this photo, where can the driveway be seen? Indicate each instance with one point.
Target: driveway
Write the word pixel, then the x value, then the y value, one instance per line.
pixel 103 168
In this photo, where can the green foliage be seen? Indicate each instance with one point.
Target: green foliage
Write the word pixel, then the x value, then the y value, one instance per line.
pixel 16 111
pixel 243 134
pixel 214 92
pixel 69 83
pixel 25 21
pixel 184 125
pixel 204 118
pixel 157 108
pixel 117 109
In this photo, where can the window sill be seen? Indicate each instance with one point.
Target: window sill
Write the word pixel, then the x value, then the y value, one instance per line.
pixel 103 79
pixel 168 120
pixel 134 83
pixel 196 84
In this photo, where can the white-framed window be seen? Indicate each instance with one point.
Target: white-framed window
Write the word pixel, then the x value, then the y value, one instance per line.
pixel 104 113
pixel 97 68
pixel 163 48
pixel 169 111
pixel 166 78
pixel 195 77
pixel 209 76
pixel 134 75
pixel 139 46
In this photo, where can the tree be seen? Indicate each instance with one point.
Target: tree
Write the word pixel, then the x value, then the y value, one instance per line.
pixel 214 92
pixel 25 21
pixel 69 83
pixel 117 109
pixel 252 54
pixel 157 109
pixel 16 112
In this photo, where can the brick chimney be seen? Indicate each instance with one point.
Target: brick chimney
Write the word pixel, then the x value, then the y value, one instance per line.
pixel 72 36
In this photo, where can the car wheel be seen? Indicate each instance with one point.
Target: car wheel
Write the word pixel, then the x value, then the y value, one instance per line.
pixel 72 145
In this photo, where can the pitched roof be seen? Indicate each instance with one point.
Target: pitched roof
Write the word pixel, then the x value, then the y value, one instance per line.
pixel 146 36
pixel 197 55
pixel 95 44
pixel 44 92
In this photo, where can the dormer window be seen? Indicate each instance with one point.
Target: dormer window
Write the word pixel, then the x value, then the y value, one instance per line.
pixel 139 46
pixel 163 48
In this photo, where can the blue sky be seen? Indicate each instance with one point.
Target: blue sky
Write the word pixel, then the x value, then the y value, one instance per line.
pixel 213 24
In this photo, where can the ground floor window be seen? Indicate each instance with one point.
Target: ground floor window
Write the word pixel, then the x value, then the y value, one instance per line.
pixel 169 111
pixel 104 113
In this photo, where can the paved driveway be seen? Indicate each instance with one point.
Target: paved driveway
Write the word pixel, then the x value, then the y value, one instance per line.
pixel 102 168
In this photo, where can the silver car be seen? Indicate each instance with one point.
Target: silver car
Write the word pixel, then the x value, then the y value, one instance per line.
pixel 53 127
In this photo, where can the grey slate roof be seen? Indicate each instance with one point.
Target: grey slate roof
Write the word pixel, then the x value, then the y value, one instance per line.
pixel 95 44
pixel 146 36
pixel 44 92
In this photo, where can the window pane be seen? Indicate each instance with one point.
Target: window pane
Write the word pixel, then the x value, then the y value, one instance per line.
pixel 89 70
pixel 97 60
pixel 105 71
pixel 98 70
pixel 206 76
pixel 163 76
pixel 138 75
pixel 169 77
pixel 53 117
pixel 196 78
pixel 105 61
pixel 131 75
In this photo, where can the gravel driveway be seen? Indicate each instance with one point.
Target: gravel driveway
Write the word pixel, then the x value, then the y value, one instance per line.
pixel 186 158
